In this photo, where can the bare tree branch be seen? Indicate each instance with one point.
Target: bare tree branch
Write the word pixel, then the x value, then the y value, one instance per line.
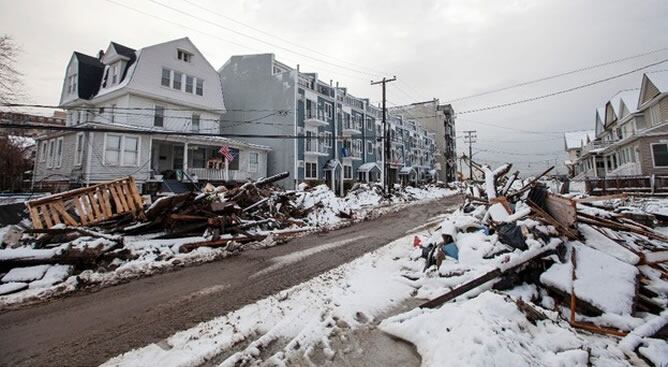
pixel 11 83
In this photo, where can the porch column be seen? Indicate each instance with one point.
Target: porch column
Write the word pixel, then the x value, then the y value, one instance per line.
pixel 185 157
pixel 227 169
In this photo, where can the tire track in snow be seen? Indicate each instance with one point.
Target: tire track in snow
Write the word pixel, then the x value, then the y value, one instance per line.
pixel 289 259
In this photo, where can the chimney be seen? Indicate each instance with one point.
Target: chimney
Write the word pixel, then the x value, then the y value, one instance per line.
pixel 297 67
pixel 331 82
pixel 337 84
pixel 100 55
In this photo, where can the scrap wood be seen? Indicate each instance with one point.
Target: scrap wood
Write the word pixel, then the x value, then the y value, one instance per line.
pixel 509 183
pixel 627 226
pixel 477 282
pixel 530 184
pixel 592 199
pixel 547 218
pixel 88 205
pixel 531 313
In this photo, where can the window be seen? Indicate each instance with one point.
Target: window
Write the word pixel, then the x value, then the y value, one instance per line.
pixel 42 151
pixel 309 144
pixel 369 147
pixel 189 84
pixel 72 84
pixel 329 110
pixel 184 55
pixel 369 124
pixel 159 117
pixel 328 139
pixel 130 150
pixel 660 154
pixel 59 152
pixel 79 148
pixel 121 150
pixel 253 161
pixel 234 165
pixel 75 117
pixel 199 90
pixel 195 122
pixel 311 170
pixel 176 83
pixel 52 147
pixel 115 69
pixel 166 77
pixel 347 172
pixel 112 149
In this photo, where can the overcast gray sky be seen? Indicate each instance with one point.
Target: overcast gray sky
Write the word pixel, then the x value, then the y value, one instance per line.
pixel 442 49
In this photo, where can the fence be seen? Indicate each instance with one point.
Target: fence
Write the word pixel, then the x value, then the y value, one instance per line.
pixel 618 184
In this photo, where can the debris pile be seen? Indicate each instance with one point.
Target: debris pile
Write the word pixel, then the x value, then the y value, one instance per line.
pixel 105 233
pixel 582 263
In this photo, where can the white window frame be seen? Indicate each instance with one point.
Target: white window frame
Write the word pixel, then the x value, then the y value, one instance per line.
pixel 169 78
pixel 121 153
pixel 184 56
pixel 197 83
pixel 78 149
pixel 60 146
pixel 155 115
pixel 43 149
pixel 328 139
pixel 347 178
pixel 329 110
pixel 115 73
pixel 369 147
pixel 180 80
pixel 651 148
pixel 253 166
pixel 51 153
pixel 307 171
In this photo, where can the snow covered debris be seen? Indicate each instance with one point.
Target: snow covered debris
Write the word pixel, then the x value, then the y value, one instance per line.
pixel 593 270
pixel 488 330
pixel 26 274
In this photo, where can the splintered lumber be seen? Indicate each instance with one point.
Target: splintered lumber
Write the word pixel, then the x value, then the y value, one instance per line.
pixel 509 183
pixel 87 206
pixel 547 218
pixel 272 179
pixel 531 183
pixel 628 226
pixel 477 282
pixel 561 209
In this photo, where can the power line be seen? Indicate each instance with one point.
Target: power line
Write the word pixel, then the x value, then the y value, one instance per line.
pixel 295 44
pixel 169 132
pixel 87 108
pixel 554 76
pixel 563 91
pixel 260 40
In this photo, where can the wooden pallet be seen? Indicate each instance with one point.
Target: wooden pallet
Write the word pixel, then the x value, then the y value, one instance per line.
pixel 88 205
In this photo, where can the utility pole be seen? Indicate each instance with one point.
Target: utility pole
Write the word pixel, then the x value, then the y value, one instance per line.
pixel 469 139
pixel 386 134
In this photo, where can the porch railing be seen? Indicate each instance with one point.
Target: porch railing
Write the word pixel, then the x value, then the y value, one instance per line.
pixel 211 174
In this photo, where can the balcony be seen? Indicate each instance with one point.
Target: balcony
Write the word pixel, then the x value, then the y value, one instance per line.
pixel 597 145
pixel 315 119
pixel 314 148
pixel 349 128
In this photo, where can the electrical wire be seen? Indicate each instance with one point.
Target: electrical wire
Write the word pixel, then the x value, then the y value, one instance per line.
pixel 554 76
pixel 563 91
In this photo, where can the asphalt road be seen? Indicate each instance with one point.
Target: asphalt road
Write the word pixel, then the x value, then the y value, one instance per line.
pixel 89 328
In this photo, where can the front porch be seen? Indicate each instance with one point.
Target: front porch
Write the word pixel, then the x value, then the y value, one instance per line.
pixel 194 162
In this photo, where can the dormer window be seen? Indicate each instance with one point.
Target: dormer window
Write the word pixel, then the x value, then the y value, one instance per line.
pixel 184 55
pixel 115 71
pixel 72 84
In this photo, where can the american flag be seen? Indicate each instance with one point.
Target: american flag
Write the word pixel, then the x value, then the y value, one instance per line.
pixel 225 152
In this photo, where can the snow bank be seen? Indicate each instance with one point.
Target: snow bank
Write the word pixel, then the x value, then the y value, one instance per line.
pixel 488 330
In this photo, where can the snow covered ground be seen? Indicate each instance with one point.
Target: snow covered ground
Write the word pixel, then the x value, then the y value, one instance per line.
pixel 484 327
pixel 149 256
